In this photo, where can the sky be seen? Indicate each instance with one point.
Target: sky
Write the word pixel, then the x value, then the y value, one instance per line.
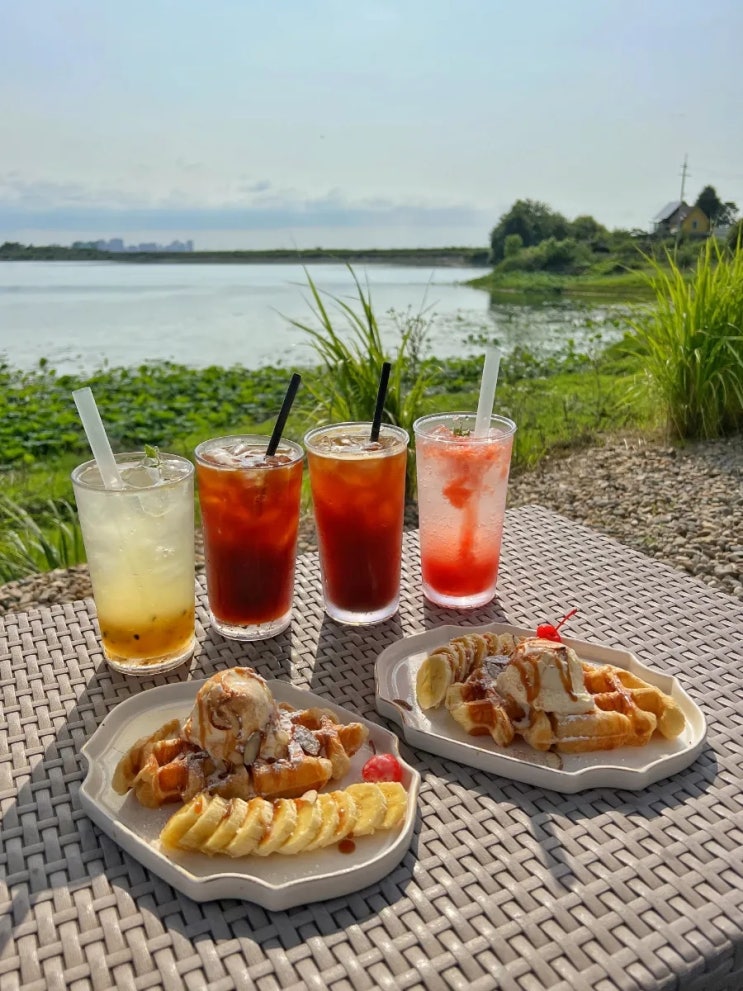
pixel 333 123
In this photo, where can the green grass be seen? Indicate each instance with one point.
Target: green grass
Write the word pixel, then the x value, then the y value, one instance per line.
pixel 559 412
pixel 623 287
pixel 42 542
pixel 691 344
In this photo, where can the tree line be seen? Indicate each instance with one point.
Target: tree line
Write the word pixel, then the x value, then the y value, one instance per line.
pixel 533 236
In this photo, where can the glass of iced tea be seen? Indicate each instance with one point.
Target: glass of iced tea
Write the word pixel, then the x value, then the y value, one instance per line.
pixel 358 495
pixel 462 487
pixel 139 542
pixel 250 516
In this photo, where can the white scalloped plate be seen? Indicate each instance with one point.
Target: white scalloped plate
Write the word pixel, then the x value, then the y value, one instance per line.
pixel 437 732
pixel 276 882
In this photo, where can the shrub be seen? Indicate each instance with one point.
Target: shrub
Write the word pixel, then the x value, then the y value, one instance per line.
pixel 565 257
pixel 512 245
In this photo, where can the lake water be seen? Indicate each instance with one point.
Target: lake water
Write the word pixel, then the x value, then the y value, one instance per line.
pixel 83 315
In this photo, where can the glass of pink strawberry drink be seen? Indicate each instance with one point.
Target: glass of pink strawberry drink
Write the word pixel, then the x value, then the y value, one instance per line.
pixel 462 486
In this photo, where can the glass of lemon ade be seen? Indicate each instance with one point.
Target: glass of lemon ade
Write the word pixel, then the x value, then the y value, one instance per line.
pixel 139 541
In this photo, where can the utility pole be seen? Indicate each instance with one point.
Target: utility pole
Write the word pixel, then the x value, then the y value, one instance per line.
pixel 684 175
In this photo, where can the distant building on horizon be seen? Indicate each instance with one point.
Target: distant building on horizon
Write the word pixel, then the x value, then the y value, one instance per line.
pixel 116 245
pixel 678 216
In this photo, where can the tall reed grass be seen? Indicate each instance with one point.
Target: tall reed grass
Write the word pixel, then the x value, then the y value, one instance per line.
pixel 352 359
pixel 691 344
pixel 30 544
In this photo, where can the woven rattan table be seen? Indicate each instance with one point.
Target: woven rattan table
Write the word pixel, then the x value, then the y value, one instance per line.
pixel 504 886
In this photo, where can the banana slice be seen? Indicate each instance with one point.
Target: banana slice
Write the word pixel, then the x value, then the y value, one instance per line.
pixel 309 820
pixel 372 806
pixel 433 680
pixel 454 661
pixel 397 803
pixel 227 829
pixel 184 819
pixel 206 824
pixel 330 815
pixel 348 814
pixel 280 828
pixel 257 820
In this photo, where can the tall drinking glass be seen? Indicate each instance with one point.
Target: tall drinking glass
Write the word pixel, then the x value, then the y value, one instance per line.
pixel 358 494
pixel 462 486
pixel 250 514
pixel 139 541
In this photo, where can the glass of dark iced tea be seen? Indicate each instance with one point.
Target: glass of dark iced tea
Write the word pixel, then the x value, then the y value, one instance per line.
pixel 358 495
pixel 250 505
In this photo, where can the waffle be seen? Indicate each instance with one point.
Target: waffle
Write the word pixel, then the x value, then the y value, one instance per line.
pixel 623 710
pixel 237 828
pixel 627 713
pixel 165 767
pixel 476 705
pixel 611 686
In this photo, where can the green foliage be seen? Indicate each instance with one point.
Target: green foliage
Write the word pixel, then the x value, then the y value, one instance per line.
pixel 686 253
pixel 712 206
pixel 531 241
pixel 691 344
pixel 151 404
pixel 561 399
pixel 735 237
pixel 566 257
pixel 558 400
pixel 29 544
pixel 351 363
pixel 532 221
pixel 14 251
pixel 585 228
pixel 346 388
pixel 512 245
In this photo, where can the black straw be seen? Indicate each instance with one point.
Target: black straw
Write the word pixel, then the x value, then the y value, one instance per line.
pixel 283 414
pixel 381 396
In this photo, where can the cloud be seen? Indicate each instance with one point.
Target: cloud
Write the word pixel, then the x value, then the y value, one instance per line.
pixel 251 205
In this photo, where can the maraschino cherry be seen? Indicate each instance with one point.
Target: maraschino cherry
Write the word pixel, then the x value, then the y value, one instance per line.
pixel 546 631
pixel 382 767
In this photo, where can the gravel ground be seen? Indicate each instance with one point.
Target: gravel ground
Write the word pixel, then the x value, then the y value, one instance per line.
pixel 681 505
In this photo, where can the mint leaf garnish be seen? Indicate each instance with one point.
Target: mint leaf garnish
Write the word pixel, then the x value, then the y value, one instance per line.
pixel 152 456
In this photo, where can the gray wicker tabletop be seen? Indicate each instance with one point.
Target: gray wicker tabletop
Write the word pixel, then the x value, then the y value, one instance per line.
pixel 504 885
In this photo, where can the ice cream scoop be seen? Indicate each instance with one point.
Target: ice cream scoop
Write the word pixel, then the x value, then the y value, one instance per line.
pixel 234 711
pixel 545 676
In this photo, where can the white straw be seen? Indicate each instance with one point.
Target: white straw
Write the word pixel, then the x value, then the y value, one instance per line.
pixel 96 434
pixel 487 391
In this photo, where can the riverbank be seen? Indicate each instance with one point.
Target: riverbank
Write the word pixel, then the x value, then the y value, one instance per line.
pixel 622 287
pixel 680 505
pixel 429 257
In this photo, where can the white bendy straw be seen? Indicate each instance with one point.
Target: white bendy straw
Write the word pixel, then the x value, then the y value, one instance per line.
pixel 96 434
pixel 487 391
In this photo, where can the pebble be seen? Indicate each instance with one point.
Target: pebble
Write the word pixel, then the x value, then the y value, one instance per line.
pixel 682 505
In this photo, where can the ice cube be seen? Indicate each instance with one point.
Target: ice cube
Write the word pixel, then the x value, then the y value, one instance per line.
pixel 221 456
